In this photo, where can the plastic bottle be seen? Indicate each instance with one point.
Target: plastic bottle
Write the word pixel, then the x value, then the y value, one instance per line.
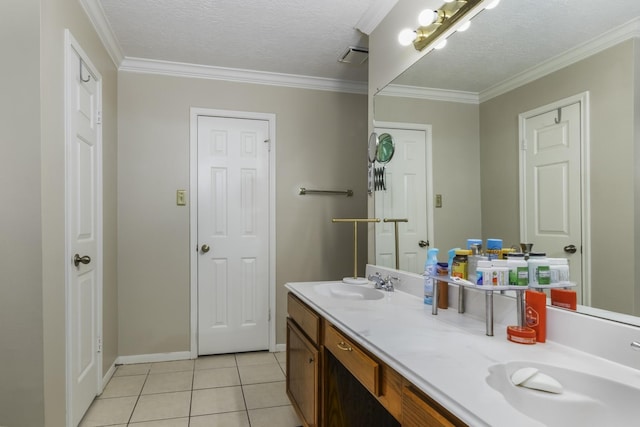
pixel 430 266
pixel 518 269
pixel 494 248
pixel 484 273
pixel 536 313
pixel 452 254
pixel 559 269
pixel 460 264
pixel 539 271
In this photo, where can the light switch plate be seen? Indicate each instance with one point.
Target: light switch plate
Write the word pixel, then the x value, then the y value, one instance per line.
pixel 181 197
pixel 438 200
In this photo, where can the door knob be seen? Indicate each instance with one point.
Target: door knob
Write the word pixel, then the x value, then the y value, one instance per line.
pixel 423 244
pixel 77 259
pixel 570 249
pixel 205 249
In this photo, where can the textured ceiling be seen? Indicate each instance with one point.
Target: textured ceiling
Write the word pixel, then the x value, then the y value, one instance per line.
pixel 513 38
pixel 301 37
pixel 306 37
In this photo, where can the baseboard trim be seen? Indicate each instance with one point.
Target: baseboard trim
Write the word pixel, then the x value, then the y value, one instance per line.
pixel 281 347
pixel 107 376
pixel 155 357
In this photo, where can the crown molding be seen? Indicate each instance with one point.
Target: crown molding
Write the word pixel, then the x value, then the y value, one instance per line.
pixel 179 69
pixel 94 11
pixel 374 15
pixel 430 94
pixel 585 50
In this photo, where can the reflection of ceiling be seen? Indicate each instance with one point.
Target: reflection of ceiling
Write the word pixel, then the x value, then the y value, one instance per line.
pixel 513 38
pixel 278 36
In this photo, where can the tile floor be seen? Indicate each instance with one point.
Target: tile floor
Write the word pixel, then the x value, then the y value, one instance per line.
pixel 231 390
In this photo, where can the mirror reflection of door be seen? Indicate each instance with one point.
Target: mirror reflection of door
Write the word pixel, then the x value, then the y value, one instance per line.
pixel 551 181
pixel 406 183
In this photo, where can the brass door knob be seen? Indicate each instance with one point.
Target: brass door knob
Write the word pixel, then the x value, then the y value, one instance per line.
pixel 205 249
pixel 77 259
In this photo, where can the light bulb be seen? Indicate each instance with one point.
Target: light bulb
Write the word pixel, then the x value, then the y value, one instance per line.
pixel 492 4
pixel 427 17
pixel 406 37
pixel 464 27
pixel 440 45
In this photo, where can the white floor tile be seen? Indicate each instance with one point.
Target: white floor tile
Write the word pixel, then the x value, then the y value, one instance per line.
pixel 173 422
pixel 173 366
pixel 168 382
pixel 104 412
pixel 129 385
pixel 136 369
pixel 216 361
pixel 211 378
pixel 254 374
pixel 161 406
pixel 265 395
pixel 255 358
pixel 217 400
pixel 227 419
pixel 281 416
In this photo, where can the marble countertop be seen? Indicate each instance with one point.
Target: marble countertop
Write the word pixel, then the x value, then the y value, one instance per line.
pixel 448 356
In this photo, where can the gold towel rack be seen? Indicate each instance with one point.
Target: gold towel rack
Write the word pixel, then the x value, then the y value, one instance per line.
pixel 395 234
pixel 355 222
pixel 304 191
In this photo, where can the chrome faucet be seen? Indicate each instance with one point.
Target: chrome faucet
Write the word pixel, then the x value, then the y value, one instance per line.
pixel 380 283
pixel 377 280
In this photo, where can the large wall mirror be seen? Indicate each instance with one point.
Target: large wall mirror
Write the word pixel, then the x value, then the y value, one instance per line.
pixel 475 97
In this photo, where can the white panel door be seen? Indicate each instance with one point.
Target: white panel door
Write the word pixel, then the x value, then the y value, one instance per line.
pixel 552 186
pixel 405 197
pixel 233 235
pixel 83 234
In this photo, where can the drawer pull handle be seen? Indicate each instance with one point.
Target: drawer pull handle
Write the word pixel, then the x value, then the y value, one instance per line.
pixel 343 346
pixel 311 360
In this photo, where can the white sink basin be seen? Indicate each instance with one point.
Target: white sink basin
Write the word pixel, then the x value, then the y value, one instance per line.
pixel 344 291
pixel 585 400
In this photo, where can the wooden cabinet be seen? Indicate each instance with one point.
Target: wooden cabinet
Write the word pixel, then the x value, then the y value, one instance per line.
pixel 419 410
pixel 303 361
pixel 302 374
pixel 310 339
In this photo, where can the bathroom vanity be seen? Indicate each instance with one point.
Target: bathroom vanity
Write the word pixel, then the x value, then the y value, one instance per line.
pixel 355 355
pixel 315 379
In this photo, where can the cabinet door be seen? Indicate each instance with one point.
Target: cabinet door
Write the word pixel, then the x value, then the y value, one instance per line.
pixel 419 411
pixel 302 374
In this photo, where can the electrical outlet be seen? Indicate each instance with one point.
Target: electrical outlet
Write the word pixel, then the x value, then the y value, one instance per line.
pixel 438 200
pixel 181 197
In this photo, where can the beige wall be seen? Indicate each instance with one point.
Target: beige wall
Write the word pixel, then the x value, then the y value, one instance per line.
pixel 320 142
pixel 456 169
pixel 21 358
pixel 32 360
pixel 608 76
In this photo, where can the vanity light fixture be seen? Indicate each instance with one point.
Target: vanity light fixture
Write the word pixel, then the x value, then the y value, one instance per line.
pixel 434 23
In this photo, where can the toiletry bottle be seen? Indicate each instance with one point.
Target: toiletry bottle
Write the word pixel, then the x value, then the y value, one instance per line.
pixel 518 269
pixel 459 266
pixel 539 271
pixel 564 298
pixel 536 313
pixel 443 287
pixel 429 273
pixel 452 254
pixel 494 248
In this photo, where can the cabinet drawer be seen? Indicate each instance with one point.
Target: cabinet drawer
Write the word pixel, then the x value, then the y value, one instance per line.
pixel 363 367
pixel 305 318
